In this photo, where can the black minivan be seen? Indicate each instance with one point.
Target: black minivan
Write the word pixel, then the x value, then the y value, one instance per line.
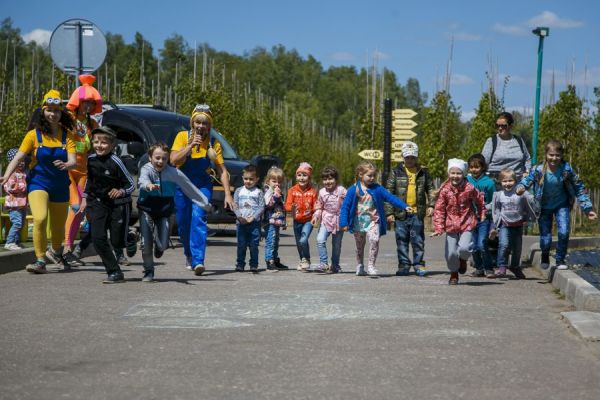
pixel 139 126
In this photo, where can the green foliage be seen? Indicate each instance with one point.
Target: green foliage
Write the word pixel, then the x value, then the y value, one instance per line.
pixel 482 126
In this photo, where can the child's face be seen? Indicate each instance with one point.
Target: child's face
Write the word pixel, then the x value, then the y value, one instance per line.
pixel 303 179
pixel 507 183
pixel 368 177
pixel 102 144
pixel 159 159
pixel 274 183
pixel 249 179
pixel 553 158
pixel 456 176
pixel 475 169
pixel 410 161
pixel 329 183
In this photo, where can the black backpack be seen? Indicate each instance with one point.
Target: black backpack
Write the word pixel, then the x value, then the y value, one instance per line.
pixel 495 144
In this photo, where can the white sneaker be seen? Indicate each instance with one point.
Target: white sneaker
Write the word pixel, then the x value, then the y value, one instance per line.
pixel 371 271
pixel 562 267
pixel 53 257
pixel 360 270
pixel 188 263
pixel 305 264
pixel 12 246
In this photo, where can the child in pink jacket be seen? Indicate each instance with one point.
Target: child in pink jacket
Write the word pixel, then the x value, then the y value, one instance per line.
pixel 456 214
pixel 15 202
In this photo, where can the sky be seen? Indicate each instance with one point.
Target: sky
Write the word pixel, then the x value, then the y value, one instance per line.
pixel 411 38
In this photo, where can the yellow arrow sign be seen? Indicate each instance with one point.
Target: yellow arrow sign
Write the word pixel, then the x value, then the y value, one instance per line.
pixel 397 157
pixel 404 124
pixel 398 145
pixel 371 154
pixel 404 134
pixel 405 113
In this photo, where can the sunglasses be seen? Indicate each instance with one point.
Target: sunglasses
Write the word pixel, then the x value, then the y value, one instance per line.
pixel 501 126
pixel 202 108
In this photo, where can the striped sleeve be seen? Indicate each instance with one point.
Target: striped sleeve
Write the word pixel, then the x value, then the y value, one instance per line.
pixel 128 185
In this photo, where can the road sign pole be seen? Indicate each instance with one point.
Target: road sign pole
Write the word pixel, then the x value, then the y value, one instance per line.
pixel 387 139
pixel 79 52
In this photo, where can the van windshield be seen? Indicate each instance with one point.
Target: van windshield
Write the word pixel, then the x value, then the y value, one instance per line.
pixel 166 131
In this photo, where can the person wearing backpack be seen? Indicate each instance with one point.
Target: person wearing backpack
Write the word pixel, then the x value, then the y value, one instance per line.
pixel 505 150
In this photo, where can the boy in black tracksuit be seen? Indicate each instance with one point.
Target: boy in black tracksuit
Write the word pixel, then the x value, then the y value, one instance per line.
pixel 107 200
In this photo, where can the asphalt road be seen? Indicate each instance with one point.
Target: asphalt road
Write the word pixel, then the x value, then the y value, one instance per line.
pixel 288 335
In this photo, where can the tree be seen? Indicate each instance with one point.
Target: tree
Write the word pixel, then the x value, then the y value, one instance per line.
pixel 483 124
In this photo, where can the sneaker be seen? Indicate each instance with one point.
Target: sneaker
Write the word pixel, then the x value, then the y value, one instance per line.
pixel 305 265
pixel 490 274
pixel 254 269
pixel 462 268
pixel 132 238
pixel 115 277
pixel 148 277
pixel 12 246
pixel 54 257
pixel 271 266
pixel 122 260
pixel 188 263
pixel 478 273
pixel 38 267
pixel 562 267
pixel 199 269
pixel 157 252
pixel 321 268
pixel 334 269
pixel 545 265
pixel 518 273
pixel 453 278
pixel 239 268
pixel 501 272
pixel 372 271
pixel 70 260
pixel 280 265
pixel 360 270
pixel 77 253
pixel 403 271
pixel 422 270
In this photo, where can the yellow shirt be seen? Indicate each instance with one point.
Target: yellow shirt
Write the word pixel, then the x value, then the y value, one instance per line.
pixel 181 140
pixel 411 192
pixel 30 144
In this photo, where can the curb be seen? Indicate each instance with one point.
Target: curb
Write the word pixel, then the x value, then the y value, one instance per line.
pixel 581 293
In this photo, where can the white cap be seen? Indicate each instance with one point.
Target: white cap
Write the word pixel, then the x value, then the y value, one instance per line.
pixel 410 149
pixel 457 163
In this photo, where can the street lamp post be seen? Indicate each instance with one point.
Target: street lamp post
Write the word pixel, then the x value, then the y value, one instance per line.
pixel 541 32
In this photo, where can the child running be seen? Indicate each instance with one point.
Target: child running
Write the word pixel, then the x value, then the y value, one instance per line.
pixel 274 217
pixel 363 214
pixel 15 202
pixel 248 204
pixel 327 211
pixel 510 212
pixel 555 188
pixel 157 183
pixel 107 198
pixel 458 209
pixel 300 201
pixel 477 177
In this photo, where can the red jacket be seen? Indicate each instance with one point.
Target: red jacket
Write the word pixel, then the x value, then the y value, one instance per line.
pixel 456 208
pixel 304 201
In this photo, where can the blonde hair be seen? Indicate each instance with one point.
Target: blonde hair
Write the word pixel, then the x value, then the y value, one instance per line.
pixel 363 167
pixel 507 173
pixel 274 173
pixel 555 145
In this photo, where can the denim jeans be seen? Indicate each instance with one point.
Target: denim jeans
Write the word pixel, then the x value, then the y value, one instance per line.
pixel 563 222
pixel 412 231
pixel 302 232
pixel 481 254
pixel 510 239
pixel 248 236
pixel 336 244
pixel 17 218
pixel 155 232
pixel 271 242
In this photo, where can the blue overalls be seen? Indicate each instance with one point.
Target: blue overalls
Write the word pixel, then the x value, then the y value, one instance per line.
pixel 191 218
pixel 45 176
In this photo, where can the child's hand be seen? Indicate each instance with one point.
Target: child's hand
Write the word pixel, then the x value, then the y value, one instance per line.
pixel 60 164
pixel 345 228
pixel 409 210
pixel 493 234
pixel 82 206
pixel 151 186
pixel 294 210
pixel 592 215
pixel 435 234
pixel 520 190
pixel 390 218
pixel 429 212
pixel 115 193
pixel 242 220
pixel 249 220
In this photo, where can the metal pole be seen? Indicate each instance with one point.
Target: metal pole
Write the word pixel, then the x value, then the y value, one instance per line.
pixel 79 53
pixel 536 111
pixel 387 139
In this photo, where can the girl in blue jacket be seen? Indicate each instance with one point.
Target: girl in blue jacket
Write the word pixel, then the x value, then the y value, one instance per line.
pixel 362 213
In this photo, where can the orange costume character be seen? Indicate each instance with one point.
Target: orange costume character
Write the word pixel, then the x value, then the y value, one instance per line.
pixel 84 101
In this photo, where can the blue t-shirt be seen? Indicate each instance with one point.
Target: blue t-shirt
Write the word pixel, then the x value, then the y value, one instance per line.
pixel 554 195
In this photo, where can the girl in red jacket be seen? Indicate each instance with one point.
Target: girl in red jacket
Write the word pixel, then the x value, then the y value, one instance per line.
pixel 456 214
pixel 300 201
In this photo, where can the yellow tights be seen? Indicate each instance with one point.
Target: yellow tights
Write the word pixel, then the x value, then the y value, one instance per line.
pixel 41 209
